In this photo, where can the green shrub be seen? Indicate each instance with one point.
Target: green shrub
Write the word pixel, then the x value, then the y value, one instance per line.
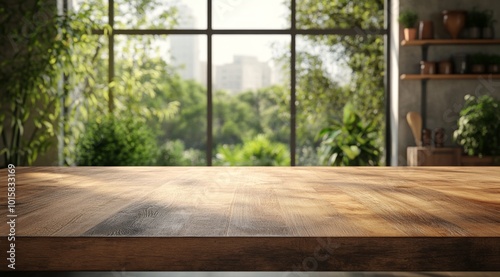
pixel 174 153
pixel 114 141
pixel 479 126
pixel 351 142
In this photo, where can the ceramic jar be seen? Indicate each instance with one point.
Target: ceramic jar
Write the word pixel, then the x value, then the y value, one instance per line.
pixel 454 22
pixel 427 67
pixel 445 67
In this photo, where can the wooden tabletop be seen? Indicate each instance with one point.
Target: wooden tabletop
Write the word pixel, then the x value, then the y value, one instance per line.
pixel 255 218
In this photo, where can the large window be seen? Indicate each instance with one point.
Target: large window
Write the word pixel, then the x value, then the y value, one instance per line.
pixel 245 82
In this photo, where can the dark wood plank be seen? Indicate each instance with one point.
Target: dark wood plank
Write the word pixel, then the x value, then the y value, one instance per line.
pixel 237 215
pixel 259 254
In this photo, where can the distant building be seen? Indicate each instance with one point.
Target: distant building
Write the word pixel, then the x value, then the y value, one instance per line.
pixel 244 73
pixel 184 49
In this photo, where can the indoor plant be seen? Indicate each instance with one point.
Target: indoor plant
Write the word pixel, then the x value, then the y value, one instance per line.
pixel 479 130
pixel 478 62
pixel 488 30
pixel 476 22
pixel 494 64
pixel 408 20
pixel 473 22
pixel 352 142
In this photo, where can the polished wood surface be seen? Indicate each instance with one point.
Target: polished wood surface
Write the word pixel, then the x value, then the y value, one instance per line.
pixel 256 218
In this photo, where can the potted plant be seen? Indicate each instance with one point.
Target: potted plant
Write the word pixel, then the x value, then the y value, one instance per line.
pixel 494 64
pixel 475 22
pixel 480 24
pixel 408 20
pixel 479 130
pixel 488 30
pixel 351 142
pixel 478 62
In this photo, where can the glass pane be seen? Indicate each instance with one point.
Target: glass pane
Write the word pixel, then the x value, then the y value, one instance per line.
pixel 320 14
pixel 160 79
pixel 161 14
pixel 87 91
pixel 251 114
pixel 333 71
pixel 255 14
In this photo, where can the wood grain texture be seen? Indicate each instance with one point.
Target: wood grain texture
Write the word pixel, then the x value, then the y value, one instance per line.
pixel 255 218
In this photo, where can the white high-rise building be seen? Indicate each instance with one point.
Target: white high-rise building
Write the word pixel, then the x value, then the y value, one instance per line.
pixel 244 73
pixel 184 49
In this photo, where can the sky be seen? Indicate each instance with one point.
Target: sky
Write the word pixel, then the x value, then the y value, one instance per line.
pixel 243 14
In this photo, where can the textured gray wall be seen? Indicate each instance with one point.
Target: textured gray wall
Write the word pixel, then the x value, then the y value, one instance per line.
pixel 444 97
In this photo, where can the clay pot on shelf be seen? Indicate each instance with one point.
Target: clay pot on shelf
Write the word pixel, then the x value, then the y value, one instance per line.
pixel 494 68
pixel 427 67
pixel 454 22
pixel 410 34
pixel 474 33
pixel 425 30
pixel 478 68
pixel 445 67
pixel 488 33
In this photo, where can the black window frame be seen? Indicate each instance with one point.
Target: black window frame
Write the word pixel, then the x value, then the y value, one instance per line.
pixel 293 31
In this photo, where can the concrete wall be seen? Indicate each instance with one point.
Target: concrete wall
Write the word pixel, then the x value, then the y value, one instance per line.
pixel 444 97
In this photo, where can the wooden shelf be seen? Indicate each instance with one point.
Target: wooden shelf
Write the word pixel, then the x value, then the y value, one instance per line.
pixel 448 76
pixel 448 42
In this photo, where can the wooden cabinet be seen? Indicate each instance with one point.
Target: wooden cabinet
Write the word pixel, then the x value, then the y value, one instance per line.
pixel 431 156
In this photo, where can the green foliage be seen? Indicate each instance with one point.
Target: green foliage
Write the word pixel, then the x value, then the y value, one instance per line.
pixel 479 19
pixel 479 58
pixel 320 95
pixel 258 151
pixel 140 73
pixel 114 141
pixel 366 14
pixel 494 59
pixel 174 153
pixel 408 19
pixel 36 55
pixel 479 126
pixel 351 142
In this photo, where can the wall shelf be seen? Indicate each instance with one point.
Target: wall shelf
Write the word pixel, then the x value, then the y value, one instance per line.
pixel 424 78
pixel 426 42
pixel 448 76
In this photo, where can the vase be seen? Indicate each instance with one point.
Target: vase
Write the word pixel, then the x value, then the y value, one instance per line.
pixel 454 22
pixel 425 30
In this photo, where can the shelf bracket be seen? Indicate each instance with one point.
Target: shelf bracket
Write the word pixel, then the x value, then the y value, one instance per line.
pixel 423 103
pixel 425 52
